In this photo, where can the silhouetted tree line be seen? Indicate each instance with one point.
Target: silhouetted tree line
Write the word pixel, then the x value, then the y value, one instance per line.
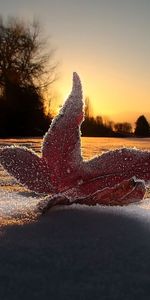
pixel 22 112
pixel 97 127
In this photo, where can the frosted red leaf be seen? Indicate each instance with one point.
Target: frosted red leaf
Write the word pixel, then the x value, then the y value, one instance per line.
pixel 62 172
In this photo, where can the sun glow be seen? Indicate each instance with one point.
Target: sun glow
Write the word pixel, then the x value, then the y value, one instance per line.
pixel 112 94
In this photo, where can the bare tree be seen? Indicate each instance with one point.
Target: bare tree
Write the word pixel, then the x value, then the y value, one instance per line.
pixel 88 108
pixel 27 68
pixel 24 55
pixel 124 128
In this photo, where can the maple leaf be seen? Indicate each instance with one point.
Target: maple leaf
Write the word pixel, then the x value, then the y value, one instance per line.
pixel 62 172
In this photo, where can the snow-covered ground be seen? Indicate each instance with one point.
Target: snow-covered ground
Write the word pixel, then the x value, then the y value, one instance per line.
pixel 75 252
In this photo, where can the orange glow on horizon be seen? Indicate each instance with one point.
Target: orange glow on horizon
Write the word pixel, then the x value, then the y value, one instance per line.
pixel 112 95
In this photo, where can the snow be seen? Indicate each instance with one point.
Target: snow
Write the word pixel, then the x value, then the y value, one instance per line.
pixel 17 207
pixel 73 252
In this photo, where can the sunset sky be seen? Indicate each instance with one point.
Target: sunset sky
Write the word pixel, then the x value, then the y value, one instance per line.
pixel 106 41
